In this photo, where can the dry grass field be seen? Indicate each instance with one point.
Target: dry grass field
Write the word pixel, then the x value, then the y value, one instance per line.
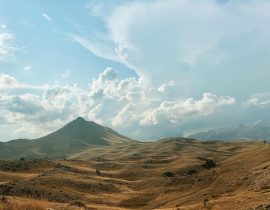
pixel 172 173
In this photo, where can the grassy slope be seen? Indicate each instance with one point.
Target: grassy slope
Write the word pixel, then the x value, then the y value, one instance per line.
pixel 72 138
pixel 131 176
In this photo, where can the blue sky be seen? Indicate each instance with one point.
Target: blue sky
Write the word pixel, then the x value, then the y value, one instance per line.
pixel 46 44
pixel 145 68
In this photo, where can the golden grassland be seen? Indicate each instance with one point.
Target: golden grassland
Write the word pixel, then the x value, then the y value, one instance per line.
pixel 168 174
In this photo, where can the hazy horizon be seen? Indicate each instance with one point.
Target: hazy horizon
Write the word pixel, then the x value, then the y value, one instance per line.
pixel 144 68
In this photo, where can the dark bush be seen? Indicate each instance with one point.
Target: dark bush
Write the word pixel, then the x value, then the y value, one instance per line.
pixel 192 171
pixel 98 172
pixel 168 174
pixel 209 164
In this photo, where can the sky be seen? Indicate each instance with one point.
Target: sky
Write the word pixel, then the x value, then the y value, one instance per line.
pixel 146 68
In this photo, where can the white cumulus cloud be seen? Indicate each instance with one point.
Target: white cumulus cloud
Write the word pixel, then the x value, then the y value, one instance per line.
pixel 129 105
pixel 173 111
pixel 203 45
pixel 7 81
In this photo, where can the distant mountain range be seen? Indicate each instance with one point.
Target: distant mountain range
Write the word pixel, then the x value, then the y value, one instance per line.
pixel 81 136
pixel 76 136
pixel 256 131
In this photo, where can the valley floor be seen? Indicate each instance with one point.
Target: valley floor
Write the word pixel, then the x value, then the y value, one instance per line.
pixel 170 174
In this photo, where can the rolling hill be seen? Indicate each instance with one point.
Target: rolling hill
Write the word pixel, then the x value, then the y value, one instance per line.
pixel 93 167
pixel 170 174
pixel 74 137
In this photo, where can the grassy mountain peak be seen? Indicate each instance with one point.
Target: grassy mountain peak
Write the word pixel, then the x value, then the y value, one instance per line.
pixel 74 137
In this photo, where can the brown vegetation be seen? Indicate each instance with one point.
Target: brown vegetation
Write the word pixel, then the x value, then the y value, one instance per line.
pixel 168 174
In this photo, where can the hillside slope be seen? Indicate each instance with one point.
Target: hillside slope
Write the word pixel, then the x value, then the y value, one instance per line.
pixel 170 174
pixel 76 136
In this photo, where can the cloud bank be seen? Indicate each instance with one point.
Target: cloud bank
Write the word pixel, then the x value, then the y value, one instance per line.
pixel 208 46
pixel 128 105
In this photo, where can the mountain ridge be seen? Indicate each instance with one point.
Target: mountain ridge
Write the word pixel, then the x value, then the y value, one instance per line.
pixel 255 131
